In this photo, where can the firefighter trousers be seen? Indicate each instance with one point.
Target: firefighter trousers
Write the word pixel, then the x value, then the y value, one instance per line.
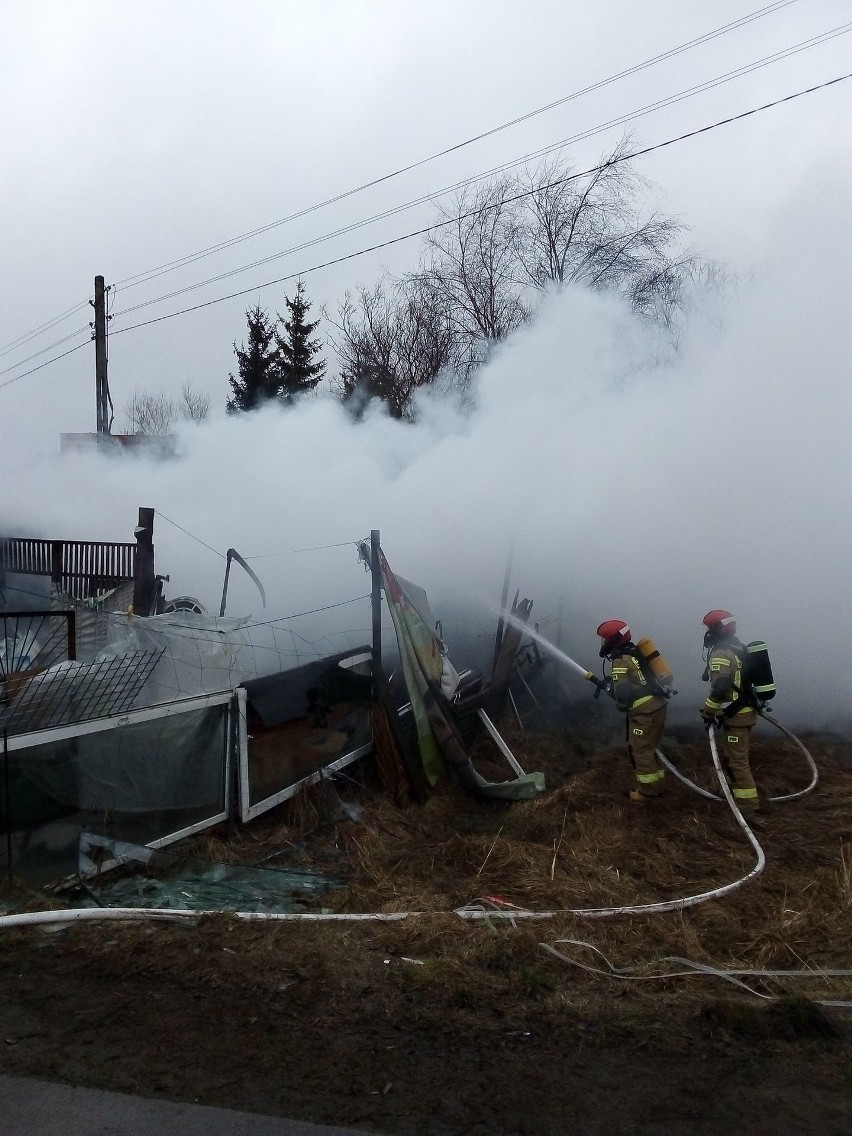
pixel 733 750
pixel 644 731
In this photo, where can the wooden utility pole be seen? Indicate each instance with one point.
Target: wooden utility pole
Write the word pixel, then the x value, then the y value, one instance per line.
pixel 101 384
pixel 143 569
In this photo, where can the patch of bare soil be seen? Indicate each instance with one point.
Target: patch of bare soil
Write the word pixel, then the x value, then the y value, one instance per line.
pixel 436 1025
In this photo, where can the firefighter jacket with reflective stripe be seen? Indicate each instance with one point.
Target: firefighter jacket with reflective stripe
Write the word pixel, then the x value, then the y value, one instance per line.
pixel 630 687
pixel 725 671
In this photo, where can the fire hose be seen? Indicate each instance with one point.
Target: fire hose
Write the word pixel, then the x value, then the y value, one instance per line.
pixel 474 911
pixel 661 757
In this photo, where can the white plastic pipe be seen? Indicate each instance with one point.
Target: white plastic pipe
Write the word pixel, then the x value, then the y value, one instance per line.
pixel 499 742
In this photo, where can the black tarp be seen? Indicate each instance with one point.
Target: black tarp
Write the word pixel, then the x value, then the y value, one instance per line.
pixel 305 690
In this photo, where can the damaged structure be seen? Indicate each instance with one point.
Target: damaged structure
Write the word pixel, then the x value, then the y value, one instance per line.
pixel 131 719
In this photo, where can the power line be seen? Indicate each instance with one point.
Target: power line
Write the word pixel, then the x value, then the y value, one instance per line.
pixel 42 328
pixel 516 197
pixel 150 274
pixel 44 350
pixel 47 363
pixel 583 135
pixel 153 273
pixel 453 220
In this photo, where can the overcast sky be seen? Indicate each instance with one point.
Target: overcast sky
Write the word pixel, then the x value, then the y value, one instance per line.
pixel 137 133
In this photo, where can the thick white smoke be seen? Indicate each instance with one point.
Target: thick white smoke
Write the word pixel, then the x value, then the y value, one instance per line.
pixel 637 483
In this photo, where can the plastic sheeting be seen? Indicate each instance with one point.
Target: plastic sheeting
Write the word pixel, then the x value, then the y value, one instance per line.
pixel 151 776
pixel 93 617
pixel 172 762
pixel 168 879
pixel 219 887
pixel 204 653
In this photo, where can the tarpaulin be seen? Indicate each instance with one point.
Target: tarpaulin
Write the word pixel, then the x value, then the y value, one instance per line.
pixel 424 666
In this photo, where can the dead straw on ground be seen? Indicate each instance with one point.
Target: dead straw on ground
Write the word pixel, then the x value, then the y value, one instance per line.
pixel 581 844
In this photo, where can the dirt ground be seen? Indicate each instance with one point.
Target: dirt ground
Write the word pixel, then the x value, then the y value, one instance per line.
pixel 436 1025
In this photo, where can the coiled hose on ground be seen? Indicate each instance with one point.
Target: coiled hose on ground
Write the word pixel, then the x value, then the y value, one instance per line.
pixel 775 800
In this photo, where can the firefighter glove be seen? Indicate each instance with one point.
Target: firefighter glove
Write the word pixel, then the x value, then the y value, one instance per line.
pixel 603 686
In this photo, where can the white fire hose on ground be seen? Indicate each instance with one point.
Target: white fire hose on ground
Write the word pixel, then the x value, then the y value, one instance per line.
pixel 473 912
pixel 476 911
pixel 661 757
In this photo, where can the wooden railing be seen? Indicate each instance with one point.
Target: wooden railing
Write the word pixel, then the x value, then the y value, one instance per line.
pixel 81 568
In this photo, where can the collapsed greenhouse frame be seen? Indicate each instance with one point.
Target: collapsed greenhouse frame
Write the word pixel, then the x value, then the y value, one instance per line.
pixel 158 774
pixel 110 742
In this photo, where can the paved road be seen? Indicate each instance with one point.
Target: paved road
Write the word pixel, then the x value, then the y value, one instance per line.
pixel 41 1108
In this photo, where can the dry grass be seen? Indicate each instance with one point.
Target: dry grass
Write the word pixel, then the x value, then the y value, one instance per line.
pixel 581 844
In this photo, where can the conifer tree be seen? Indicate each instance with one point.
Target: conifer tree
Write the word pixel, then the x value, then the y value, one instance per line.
pixel 299 368
pixel 258 365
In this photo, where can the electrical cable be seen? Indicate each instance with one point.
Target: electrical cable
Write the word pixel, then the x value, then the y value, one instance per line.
pixel 150 274
pixel 299 614
pixel 243 625
pixel 261 555
pixel 443 224
pixel 695 969
pixel 315 548
pixel 506 201
pixel 47 326
pixel 47 363
pixel 221 555
pixel 50 347
pixel 434 195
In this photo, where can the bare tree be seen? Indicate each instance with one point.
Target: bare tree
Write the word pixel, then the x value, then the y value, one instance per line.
pixel 193 404
pixel 391 341
pixel 472 264
pixel 149 412
pixel 153 412
pixel 587 229
pixel 495 246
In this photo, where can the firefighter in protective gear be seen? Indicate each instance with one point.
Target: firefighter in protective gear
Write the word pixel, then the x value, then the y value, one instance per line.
pixel 729 706
pixel 640 695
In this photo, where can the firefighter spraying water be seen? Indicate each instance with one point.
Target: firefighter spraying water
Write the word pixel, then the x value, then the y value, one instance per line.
pixel 641 684
pixel 744 683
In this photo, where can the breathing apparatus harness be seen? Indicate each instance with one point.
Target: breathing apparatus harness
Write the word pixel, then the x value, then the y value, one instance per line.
pixel 757 684
pixel 646 656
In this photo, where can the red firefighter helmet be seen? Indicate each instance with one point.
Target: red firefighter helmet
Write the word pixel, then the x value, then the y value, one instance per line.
pixel 614 633
pixel 720 622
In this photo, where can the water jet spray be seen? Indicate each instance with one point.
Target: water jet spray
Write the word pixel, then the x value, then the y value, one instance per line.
pixel 561 655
